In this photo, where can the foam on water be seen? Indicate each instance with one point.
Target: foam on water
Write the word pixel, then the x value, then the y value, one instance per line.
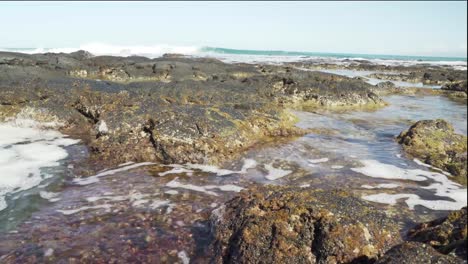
pixel 50 196
pixel 183 257
pixel 412 200
pixel 107 207
pixel 315 161
pixel 376 169
pixel 25 150
pixel 275 173
pixel 95 178
pixel 251 56
pixel 204 189
pixel 189 168
pixel 175 171
pixel 374 81
pixel 430 166
pixel 442 185
pixel 381 186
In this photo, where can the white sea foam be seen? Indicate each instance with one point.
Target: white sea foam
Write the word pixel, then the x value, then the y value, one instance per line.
pixel 412 200
pixel 95 178
pixel 153 51
pixel 455 196
pixel 204 189
pixel 189 168
pixel 430 166
pixel 107 207
pixel 381 186
pixel 376 169
pixel 210 169
pixel 175 171
pixel 50 196
pixel 25 150
pixel 275 173
pixel 183 257
pixel 315 161
pixel 98 49
pixel 158 204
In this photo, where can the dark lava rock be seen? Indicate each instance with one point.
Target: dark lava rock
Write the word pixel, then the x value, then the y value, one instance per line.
pixel 436 143
pixel 385 85
pixel 169 109
pixel 456 86
pixel 290 225
pixel 448 235
pixel 413 252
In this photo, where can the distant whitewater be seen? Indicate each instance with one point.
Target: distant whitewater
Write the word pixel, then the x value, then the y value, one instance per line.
pixel 250 56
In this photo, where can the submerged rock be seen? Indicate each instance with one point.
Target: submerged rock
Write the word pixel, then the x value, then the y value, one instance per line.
pixel 435 143
pixel 287 225
pixel 448 234
pixel 413 252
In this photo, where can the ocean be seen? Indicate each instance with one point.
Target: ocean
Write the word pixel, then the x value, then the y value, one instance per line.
pixel 251 56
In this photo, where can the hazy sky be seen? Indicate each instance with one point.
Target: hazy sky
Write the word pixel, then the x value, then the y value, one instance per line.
pixel 407 28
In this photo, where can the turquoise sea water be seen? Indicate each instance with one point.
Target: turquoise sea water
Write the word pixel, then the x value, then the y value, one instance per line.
pixel 328 55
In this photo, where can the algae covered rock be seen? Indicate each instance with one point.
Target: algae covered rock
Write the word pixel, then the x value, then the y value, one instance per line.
pixel 435 143
pixel 172 109
pixel 413 252
pixel 460 86
pixel 448 234
pixel 287 225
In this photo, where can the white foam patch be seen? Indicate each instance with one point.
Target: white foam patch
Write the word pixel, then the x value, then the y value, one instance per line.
pixel 337 167
pixel 275 173
pixel 210 169
pixel 25 150
pixel 176 184
pixel 412 200
pixel 95 178
pixel 248 164
pixel 158 204
pixel 381 186
pixel 175 171
pixel 204 189
pixel 107 207
pixel 189 168
pixel 225 188
pixel 376 169
pixel 315 161
pixel 183 257
pixel 443 186
pixel 50 196
pixel 430 166
pixel 126 164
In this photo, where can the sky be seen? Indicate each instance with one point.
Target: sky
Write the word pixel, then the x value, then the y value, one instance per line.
pixel 397 28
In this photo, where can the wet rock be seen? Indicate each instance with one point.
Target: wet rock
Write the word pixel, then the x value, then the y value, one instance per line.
pixel 280 225
pixel 448 234
pixel 435 143
pixel 413 252
pixel 169 109
pixel 456 86
pixel 385 85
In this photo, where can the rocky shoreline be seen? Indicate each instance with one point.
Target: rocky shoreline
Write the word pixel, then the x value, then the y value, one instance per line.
pixel 172 109
pixel 181 110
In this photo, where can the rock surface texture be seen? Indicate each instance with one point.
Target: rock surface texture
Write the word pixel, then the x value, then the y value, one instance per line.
pixel 448 234
pixel 281 225
pixel 435 143
pixel 169 109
